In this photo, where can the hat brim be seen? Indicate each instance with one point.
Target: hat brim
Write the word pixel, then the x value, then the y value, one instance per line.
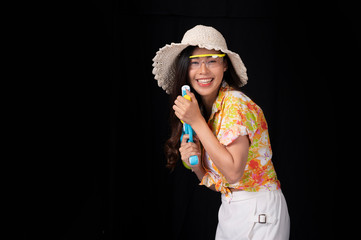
pixel 164 60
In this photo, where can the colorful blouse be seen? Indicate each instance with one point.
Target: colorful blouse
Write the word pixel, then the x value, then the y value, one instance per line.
pixel 233 115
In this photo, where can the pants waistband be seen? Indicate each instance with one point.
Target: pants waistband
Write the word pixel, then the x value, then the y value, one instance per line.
pixel 244 195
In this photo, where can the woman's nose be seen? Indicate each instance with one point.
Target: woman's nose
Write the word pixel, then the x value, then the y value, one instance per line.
pixel 203 68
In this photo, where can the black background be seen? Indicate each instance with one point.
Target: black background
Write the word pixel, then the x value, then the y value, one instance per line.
pixel 103 120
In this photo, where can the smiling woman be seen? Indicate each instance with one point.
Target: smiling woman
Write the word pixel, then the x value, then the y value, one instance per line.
pixel 206 73
pixel 231 139
pixel 182 77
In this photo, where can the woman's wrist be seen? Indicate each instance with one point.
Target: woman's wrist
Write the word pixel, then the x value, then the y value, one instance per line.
pixel 199 124
pixel 199 171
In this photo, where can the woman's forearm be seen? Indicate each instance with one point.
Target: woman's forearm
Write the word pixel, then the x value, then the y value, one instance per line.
pixel 217 152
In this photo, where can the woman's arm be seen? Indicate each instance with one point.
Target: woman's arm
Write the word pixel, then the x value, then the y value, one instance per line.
pixel 230 160
pixel 188 149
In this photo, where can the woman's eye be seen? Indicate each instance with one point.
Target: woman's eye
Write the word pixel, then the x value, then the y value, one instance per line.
pixel 194 63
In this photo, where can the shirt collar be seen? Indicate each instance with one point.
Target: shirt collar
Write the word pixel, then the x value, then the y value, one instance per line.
pixel 217 105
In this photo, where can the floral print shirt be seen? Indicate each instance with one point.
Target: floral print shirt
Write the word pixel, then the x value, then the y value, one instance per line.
pixel 233 115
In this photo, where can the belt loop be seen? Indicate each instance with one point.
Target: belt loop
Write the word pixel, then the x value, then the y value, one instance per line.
pixel 262 218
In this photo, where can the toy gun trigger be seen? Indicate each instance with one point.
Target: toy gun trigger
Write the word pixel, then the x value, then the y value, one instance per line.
pixel 189 131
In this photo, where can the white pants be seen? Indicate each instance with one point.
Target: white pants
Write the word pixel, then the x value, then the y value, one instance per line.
pixel 254 216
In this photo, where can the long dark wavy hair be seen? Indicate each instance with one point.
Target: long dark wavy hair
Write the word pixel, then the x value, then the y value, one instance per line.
pixel 172 145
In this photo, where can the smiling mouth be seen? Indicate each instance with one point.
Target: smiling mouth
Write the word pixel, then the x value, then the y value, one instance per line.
pixel 204 81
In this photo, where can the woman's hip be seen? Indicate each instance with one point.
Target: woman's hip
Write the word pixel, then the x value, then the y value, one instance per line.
pixel 253 215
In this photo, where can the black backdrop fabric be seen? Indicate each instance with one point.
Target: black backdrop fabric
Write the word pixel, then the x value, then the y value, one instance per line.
pixel 110 181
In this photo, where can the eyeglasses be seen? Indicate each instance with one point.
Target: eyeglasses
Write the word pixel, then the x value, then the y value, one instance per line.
pixel 210 60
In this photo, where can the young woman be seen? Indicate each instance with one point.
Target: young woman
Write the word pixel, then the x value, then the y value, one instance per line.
pixel 231 139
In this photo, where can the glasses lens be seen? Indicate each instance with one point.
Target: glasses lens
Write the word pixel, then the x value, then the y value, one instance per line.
pixel 210 61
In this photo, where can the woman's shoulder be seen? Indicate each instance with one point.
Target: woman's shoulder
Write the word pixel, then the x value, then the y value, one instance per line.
pixel 241 109
pixel 237 95
pixel 237 98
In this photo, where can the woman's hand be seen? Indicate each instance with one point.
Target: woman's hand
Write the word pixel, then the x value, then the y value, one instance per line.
pixel 188 149
pixel 187 111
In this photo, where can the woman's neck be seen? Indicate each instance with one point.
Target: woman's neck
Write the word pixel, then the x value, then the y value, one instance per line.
pixel 208 103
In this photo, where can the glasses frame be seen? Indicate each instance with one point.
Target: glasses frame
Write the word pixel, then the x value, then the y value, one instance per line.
pixel 208 55
pixel 214 56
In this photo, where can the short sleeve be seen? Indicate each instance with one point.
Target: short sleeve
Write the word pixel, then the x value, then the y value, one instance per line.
pixel 238 119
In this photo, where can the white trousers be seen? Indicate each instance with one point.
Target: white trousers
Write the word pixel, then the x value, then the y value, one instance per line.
pixel 254 216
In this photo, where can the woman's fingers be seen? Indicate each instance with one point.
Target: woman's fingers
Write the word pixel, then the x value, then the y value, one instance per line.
pixel 185 139
pixel 181 103
pixel 188 149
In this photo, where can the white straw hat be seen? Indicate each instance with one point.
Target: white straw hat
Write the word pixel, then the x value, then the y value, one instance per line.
pixel 201 36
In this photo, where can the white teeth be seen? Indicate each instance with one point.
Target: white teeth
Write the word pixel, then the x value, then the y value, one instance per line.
pixel 204 80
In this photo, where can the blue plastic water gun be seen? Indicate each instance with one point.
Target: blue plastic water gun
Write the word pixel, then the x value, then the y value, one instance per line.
pixel 187 129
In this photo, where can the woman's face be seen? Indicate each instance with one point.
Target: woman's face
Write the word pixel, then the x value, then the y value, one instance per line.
pixel 206 73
